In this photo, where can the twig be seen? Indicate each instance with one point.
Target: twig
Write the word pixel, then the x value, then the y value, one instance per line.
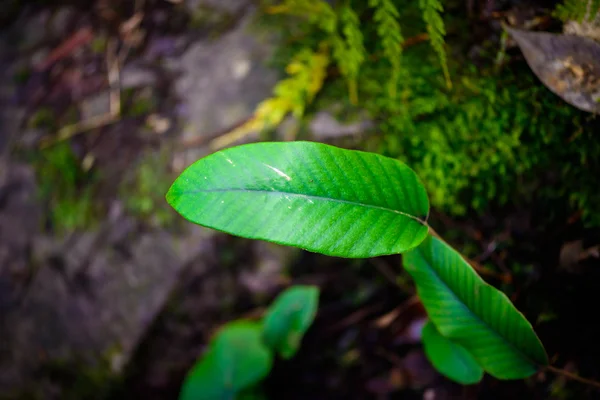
pixel 75 129
pixel 250 127
pixel 573 376
pixel 129 27
pixel 390 275
pixel 408 42
pixel 353 318
pixel 386 319
pixel 114 78
pixel 114 111
pixel 201 140
pixel 78 39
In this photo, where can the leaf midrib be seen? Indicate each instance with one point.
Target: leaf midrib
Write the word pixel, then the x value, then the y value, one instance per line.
pixel 310 197
pixel 460 301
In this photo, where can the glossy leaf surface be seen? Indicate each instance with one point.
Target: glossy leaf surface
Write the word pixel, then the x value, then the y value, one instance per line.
pixel 289 317
pixel 472 313
pixel 235 360
pixel 450 359
pixel 318 197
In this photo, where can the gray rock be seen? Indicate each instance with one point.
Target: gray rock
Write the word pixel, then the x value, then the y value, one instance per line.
pixel 231 6
pixel 135 75
pixel 324 126
pixel 222 81
pixel 96 105
pixel 93 295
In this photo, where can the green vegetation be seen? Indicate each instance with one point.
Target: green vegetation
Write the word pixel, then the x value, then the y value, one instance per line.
pixel 241 354
pixel 354 204
pixel 496 138
pixel 450 358
pixel 577 10
pixel 143 189
pixel 66 188
pixel 489 141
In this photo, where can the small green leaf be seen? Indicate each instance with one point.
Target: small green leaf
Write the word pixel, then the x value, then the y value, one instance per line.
pixel 449 358
pixel 318 197
pixel 289 317
pixel 236 359
pixel 472 313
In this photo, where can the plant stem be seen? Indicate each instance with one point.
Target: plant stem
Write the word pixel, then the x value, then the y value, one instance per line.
pixel 573 376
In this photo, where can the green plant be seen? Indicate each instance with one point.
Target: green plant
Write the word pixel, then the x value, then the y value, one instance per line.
pixel 66 188
pixel 577 10
pixel 241 354
pixel 354 204
pixel 339 28
pixel 143 188
pixel 450 358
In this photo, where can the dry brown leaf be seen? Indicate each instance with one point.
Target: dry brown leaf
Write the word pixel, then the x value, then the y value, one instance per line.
pixel 568 65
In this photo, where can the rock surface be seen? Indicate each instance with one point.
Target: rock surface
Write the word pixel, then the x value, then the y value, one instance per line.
pixel 92 296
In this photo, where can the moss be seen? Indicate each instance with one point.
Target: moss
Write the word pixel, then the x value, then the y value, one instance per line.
pixel 494 139
pixel 65 188
pixel 43 118
pixel 80 380
pixel 21 75
pixel 139 102
pixel 498 138
pixel 214 19
pixel 99 44
pixel 143 190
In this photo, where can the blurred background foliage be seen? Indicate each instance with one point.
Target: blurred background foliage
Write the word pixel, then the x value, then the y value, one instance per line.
pixel 495 138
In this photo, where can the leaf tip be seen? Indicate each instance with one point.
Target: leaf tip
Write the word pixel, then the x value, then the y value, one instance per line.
pixel 172 195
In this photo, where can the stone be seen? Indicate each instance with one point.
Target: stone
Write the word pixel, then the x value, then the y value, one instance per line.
pixel 324 126
pixel 222 81
pixel 135 75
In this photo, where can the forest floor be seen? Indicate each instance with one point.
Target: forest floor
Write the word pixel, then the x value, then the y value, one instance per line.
pixel 105 293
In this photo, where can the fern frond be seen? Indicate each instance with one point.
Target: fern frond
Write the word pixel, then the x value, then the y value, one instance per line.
pixel 388 29
pixel 317 12
pixel 435 28
pixel 349 50
pixel 577 10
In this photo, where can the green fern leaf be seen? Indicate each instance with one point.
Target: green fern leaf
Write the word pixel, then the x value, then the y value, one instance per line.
pixel 349 50
pixel 318 12
pixel 435 28
pixel 577 10
pixel 388 29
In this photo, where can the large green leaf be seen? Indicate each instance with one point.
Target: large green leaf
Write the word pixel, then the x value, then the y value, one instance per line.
pixel 289 317
pixel 472 313
pixel 310 195
pixel 449 358
pixel 235 360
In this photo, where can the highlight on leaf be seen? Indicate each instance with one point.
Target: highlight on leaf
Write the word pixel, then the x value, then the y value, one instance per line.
pixel 472 313
pixel 314 196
